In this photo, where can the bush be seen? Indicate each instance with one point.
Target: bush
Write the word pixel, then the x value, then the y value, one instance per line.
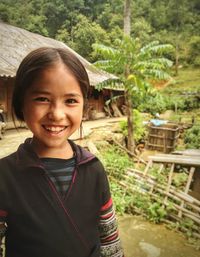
pixel 139 128
pixel 193 55
pixel 192 137
pixel 116 163
pixel 154 104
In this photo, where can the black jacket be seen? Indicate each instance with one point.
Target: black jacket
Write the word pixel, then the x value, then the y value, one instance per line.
pixel 41 223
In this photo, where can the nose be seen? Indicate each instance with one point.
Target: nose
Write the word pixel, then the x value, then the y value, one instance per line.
pixel 56 112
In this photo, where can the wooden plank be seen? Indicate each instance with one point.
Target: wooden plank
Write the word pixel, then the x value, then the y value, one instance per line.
pixel 160 146
pixel 177 159
pixel 179 156
pixel 189 152
pixel 164 128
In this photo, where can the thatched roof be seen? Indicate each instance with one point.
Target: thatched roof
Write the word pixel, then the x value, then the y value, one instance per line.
pixel 16 43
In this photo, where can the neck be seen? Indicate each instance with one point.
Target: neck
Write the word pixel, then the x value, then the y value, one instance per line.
pixel 64 152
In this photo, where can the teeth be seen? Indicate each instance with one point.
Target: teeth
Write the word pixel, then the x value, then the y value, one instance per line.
pixel 54 129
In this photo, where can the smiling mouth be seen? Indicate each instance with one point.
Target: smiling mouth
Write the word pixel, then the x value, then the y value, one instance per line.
pixel 54 129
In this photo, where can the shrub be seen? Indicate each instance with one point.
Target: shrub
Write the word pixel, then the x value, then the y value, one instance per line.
pixel 116 163
pixel 192 137
pixel 154 104
pixel 139 128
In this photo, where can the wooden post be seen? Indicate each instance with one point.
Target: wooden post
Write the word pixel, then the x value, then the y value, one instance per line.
pixel 187 187
pixel 169 182
pixel 149 164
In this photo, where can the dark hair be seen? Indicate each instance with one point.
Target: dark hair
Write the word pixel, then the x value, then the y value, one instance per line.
pixel 37 61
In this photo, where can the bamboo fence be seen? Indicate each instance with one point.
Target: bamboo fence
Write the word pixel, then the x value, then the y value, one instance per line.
pixel 185 207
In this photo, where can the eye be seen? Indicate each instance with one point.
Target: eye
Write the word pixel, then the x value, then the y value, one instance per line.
pixel 71 101
pixel 41 99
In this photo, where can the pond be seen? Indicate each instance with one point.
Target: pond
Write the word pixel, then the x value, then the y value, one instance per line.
pixel 140 238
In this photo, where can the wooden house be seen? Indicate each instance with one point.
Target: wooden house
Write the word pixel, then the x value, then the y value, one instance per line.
pixel 16 43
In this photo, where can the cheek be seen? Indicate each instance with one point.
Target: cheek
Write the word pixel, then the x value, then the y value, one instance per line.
pixel 31 113
pixel 77 115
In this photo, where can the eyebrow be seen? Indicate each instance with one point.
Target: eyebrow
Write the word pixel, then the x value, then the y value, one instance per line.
pixel 35 92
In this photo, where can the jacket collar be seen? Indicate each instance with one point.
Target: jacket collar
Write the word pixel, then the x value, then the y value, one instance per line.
pixel 26 157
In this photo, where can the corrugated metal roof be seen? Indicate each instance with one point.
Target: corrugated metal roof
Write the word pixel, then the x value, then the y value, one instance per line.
pixel 16 43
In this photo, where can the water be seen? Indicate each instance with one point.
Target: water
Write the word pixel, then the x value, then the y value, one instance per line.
pixel 141 238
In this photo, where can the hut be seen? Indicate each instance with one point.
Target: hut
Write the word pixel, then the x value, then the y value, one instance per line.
pixel 16 43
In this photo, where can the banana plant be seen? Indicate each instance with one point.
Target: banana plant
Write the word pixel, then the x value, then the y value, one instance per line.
pixel 144 64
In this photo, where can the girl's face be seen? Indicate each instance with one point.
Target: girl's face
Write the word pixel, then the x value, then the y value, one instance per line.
pixel 53 110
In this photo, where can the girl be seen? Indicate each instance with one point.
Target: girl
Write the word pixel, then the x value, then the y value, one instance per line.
pixel 54 195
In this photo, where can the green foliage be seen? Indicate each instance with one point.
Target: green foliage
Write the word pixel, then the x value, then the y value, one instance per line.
pixel 63 36
pixel 156 212
pixel 194 50
pixel 173 21
pixel 192 137
pixel 154 103
pixel 115 161
pixel 141 29
pixel 179 180
pixel 143 62
pixel 121 200
pixel 143 203
pixel 183 94
pixel 85 33
pixel 188 224
pixel 159 177
pixel 139 128
pixel 36 24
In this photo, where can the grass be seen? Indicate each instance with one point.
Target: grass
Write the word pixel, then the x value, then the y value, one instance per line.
pixel 187 81
pixel 186 116
pixel 186 88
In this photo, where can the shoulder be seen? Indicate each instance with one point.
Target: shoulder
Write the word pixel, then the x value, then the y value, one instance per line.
pixel 8 159
pixel 82 154
pixel 7 170
pixel 84 158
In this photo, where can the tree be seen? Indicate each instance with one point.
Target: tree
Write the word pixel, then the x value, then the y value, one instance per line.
pixel 145 63
pixel 127 32
pixel 194 51
pixel 127 17
pixel 84 34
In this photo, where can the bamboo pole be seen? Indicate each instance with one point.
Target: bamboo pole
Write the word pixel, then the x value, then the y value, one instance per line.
pixel 177 196
pixel 160 189
pixel 149 181
pixel 186 213
pixel 149 164
pixel 180 194
pixel 187 187
pixel 129 152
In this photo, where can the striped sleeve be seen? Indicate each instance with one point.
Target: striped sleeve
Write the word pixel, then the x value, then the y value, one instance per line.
pixel 3 215
pixel 109 237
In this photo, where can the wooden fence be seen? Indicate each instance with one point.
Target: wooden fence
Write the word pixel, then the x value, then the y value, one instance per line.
pixel 185 206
